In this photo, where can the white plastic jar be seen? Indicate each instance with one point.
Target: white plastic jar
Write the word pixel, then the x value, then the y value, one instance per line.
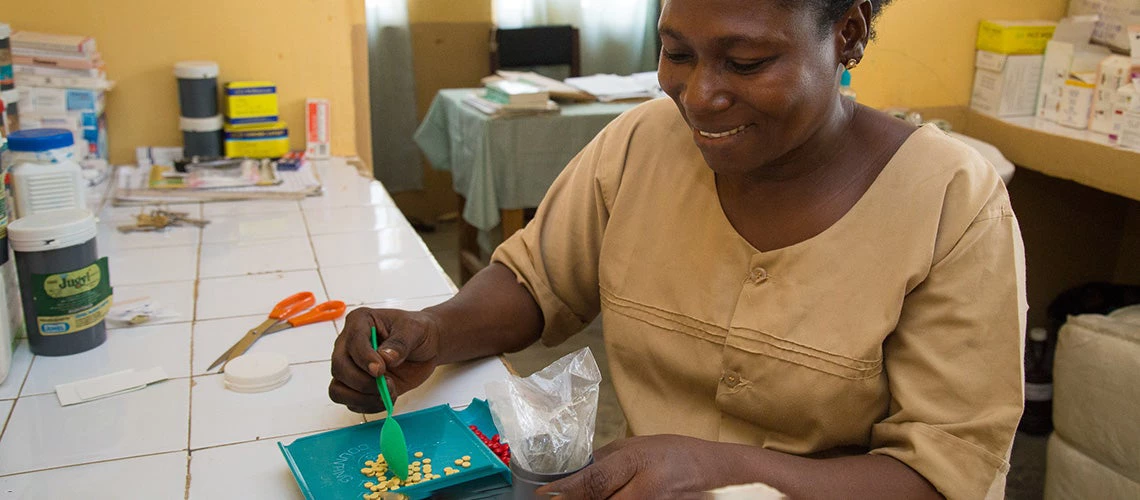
pixel 44 173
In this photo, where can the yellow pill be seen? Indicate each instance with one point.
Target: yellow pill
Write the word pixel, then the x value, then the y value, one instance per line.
pixel 427 460
pixel 367 496
pixel 466 458
pixel 394 488
pixel 369 484
pixel 459 461
pixel 466 464
pixel 427 468
pixel 419 454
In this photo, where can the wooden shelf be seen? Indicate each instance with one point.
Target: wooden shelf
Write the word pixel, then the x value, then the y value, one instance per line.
pixel 1076 155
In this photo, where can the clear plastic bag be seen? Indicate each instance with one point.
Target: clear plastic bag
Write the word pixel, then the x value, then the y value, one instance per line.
pixel 133 313
pixel 548 418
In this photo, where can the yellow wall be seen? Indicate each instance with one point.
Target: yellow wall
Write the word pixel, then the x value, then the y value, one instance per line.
pixel 924 55
pixel 449 11
pixel 304 46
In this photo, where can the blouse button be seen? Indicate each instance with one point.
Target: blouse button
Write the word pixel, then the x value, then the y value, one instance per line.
pixel 758 275
pixel 731 380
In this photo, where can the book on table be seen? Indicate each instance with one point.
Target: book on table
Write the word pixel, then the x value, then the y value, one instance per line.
pixel 516 93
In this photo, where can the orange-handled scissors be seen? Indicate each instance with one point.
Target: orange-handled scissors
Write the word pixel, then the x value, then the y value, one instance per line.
pixel 284 316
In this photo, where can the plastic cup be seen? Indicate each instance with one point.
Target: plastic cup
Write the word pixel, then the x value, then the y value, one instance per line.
pixel 524 482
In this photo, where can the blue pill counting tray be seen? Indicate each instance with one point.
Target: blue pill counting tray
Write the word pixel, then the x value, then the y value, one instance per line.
pixel 327 465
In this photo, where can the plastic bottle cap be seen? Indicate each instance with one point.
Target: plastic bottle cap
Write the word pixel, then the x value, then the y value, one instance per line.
pixel 40 139
pixel 257 372
pixel 196 70
pixel 52 230
pixel 211 124
pixel 1038 334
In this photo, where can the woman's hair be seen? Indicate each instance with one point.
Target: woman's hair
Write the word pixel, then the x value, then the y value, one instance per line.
pixel 831 11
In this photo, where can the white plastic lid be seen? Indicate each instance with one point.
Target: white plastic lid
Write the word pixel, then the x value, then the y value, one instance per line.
pixel 10 96
pixel 1038 334
pixel 52 230
pixel 211 124
pixel 196 70
pixel 257 372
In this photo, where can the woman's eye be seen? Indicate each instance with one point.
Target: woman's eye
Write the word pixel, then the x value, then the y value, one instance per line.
pixel 675 57
pixel 747 66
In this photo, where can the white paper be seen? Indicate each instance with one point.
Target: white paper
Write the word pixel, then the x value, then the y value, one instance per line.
pixel 82 391
pixel 610 87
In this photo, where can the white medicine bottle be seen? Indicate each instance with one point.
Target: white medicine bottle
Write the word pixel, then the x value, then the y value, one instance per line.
pixel 44 173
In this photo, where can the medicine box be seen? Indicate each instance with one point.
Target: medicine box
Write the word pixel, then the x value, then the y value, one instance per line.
pixel 270 140
pixel 1113 19
pixel 1130 131
pixel 1076 101
pixel 317 128
pixel 248 103
pixel 1015 37
pixel 1068 52
pixel 1114 72
pixel 1124 101
pixel 1006 85
pixel 58 100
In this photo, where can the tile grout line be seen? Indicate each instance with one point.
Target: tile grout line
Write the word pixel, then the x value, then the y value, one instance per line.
pixel 313 248
pixel 93 462
pixel 19 392
pixel 193 329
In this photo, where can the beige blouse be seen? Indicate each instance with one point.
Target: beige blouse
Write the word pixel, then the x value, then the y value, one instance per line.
pixel 896 331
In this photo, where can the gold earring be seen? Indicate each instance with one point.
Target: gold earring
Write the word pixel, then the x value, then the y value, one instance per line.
pixel 851 63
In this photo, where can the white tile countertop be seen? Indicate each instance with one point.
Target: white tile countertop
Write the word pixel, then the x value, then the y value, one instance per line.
pixel 188 437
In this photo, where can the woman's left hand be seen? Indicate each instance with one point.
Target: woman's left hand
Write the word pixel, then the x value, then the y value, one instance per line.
pixel 661 466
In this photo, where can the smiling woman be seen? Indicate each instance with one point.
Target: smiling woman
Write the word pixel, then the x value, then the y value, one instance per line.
pixel 795 289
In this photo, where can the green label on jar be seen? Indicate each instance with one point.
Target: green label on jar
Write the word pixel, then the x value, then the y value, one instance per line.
pixel 73 301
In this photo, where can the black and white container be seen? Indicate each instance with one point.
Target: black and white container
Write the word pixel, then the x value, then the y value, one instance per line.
pixel 64 285
pixel 202 136
pixel 197 88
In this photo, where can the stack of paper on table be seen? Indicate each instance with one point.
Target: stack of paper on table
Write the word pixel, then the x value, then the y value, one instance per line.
pixel 133 184
pixel 609 88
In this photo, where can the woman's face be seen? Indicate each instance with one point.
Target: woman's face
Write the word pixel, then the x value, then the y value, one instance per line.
pixel 753 79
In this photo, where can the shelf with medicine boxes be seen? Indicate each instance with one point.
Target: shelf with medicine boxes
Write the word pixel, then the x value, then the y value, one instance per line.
pixel 1077 155
pixel 1081 156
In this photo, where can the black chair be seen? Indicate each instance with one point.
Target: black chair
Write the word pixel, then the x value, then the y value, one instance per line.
pixel 537 46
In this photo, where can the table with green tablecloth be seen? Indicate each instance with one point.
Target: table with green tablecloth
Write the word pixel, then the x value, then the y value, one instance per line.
pixel 503 165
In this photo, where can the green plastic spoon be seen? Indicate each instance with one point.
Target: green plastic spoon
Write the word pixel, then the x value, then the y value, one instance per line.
pixel 392 443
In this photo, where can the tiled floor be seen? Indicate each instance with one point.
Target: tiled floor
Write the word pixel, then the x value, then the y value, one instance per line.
pixel 1026 479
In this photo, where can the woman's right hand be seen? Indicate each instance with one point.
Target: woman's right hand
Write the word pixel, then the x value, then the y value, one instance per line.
pixel 407 354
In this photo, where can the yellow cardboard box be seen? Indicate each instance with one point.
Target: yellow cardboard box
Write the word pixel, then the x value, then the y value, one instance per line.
pixel 251 102
pixel 270 140
pixel 1015 37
